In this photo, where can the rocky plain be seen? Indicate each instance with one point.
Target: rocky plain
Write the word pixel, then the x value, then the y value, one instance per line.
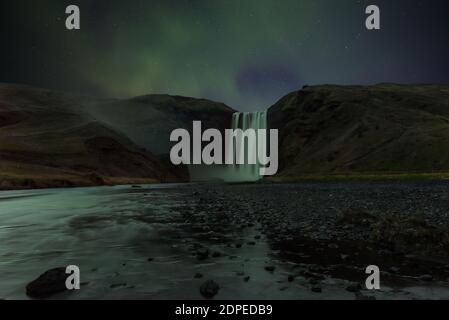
pixel 218 241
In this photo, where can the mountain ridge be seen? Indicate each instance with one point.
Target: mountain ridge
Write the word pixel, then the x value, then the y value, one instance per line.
pixel 331 129
pixel 53 139
pixel 48 140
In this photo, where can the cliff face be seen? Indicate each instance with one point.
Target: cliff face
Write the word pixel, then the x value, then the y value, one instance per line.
pixel 363 129
pixel 149 120
pixel 47 141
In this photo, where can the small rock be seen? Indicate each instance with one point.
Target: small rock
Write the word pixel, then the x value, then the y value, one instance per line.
pixel 395 269
pixel 216 254
pixel 316 289
pixel 117 285
pixel 198 275
pixel 384 252
pixel 209 289
pixel 251 243
pixel 291 278
pixel 344 257
pixel 150 259
pixel 270 268
pixel 426 277
pixel 246 279
pixel 202 254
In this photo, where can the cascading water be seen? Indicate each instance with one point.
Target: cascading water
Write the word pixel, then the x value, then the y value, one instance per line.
pixel 247 172
pixel 236 172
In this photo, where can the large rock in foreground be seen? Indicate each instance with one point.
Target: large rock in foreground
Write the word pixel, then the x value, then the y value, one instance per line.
pixel 48 284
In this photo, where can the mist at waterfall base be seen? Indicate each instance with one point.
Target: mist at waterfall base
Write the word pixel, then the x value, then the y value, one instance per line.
pixel 235 173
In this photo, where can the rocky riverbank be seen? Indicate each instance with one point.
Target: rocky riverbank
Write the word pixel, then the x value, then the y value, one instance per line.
pixel 336 229
pixel 244 241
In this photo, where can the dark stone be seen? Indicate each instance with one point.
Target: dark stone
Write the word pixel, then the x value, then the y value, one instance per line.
pixel 270 268
pixel 216 254
pixel 426 277
pixel 202 254
pixel 344 257
pixel 209 289
pixel 355 287
pixel 48 284
pixel 395 269
pixel 198 276
pixel 246 279
pixel 316 289
pixel 291 278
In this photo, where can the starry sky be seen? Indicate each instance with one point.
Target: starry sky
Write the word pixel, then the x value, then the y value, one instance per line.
pixel 246 53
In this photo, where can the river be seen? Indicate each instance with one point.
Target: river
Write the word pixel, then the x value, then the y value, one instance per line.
pixel 141 242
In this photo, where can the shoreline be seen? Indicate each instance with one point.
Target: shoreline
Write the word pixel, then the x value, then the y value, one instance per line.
pixel 313 178
pixel 72 185
pixel 360 177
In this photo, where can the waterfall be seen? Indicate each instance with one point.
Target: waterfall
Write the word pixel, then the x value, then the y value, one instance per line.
pixel 247 172
pixel 235 172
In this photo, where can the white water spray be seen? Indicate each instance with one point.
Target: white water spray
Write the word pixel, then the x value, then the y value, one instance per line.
pixel 248 172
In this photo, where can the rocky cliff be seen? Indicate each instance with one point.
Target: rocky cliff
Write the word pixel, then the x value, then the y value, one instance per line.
pixel 363 129
pixel 46 140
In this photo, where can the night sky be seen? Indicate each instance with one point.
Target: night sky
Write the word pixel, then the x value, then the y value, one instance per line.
pixel 246 53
